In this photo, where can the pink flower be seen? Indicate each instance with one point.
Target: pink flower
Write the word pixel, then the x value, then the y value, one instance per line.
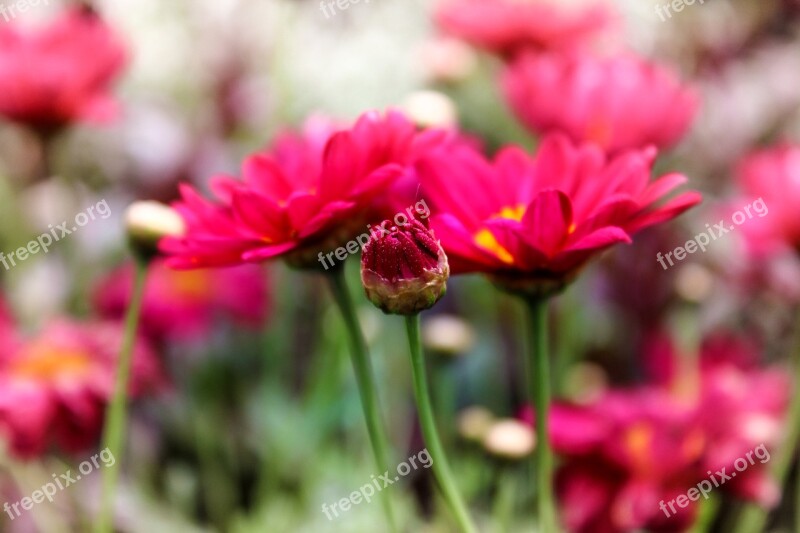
pixel 621 456
pixel 634 448
pixel 771 176
pixel 619 102
pixel 742 408
pixel 306 195
pixel 509 26
pixel 739 405
pixel 59 74
pixel 54 387
pixel 540 219
pixel 186 305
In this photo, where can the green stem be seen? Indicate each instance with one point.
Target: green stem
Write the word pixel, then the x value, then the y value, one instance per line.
pixel 428 424
pixel 538 369
pixel 116 414
pixel 365 380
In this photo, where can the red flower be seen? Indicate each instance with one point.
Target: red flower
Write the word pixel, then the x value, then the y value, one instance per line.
pixel 185 305
pixel 59 74
pixel 508 26
pixel 619 102
pixel 307 194
pixel 540 219
pixel 54 387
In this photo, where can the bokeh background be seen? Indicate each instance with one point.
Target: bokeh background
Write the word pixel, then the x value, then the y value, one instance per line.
pixel 252 421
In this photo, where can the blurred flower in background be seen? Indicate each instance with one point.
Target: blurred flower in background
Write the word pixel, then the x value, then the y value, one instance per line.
pixel 60 73
pixel 619 102
pixel 55 385
pixel 181 305
pixel 506 27
pixel 632 448
pixel 773 175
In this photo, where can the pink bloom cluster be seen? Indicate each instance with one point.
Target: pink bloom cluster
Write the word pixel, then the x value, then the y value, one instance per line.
pixel 629 450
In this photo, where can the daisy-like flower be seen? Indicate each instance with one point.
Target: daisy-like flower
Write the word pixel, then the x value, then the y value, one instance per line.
pixel 531 223
pixel 61 73
pixel 185 305
pixel 619 102
pixel 306 194
pixel 508 26
pixel 54 387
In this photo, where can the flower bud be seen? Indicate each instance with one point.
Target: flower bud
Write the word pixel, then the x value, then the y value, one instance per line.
pixel 147 222
pixel 404 270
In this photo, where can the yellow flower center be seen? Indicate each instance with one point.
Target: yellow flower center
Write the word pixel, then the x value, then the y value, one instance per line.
pixel 638 440
pixel 190 283
pixel 43 362
pixel 488 242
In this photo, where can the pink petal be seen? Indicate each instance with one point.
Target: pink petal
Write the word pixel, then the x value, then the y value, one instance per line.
pixel 547 221
pixel 668 211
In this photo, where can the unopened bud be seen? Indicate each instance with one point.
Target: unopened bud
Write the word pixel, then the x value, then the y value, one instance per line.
pixel 404 271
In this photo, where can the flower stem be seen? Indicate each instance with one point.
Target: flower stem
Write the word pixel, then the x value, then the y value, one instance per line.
pixel 440 466
pixel 365 380
pixel 116 414
pixel 538 369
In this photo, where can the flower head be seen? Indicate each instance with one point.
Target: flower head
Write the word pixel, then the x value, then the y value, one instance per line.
pixel 185 305
pixel 55 385
pixel 59 74
pixel 404 271
pixel 508 26
pixel 532 222
pixel 307 194
pixel 619 102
